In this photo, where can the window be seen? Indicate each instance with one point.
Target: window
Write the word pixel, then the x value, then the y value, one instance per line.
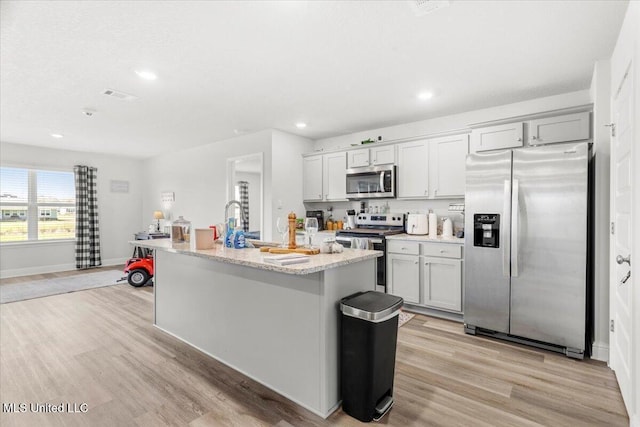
pixel 36 205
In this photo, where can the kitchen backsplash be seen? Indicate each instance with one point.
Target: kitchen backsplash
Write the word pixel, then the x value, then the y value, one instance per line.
pixel 439 207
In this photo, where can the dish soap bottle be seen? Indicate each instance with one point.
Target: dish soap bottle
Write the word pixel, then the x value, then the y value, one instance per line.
pixel 228 238
pixel 238 239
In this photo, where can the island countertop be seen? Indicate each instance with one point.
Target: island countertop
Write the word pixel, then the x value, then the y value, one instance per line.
pixel 252 257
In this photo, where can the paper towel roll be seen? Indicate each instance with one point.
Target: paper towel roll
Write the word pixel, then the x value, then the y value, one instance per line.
pixel 447 228
pixel 433 225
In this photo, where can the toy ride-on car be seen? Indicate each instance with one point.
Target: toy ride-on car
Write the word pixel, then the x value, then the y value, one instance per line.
pixel 139 268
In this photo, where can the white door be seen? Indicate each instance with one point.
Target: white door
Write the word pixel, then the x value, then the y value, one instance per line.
pixel 621 298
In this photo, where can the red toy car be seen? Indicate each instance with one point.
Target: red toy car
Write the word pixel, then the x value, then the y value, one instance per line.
pixel 139 268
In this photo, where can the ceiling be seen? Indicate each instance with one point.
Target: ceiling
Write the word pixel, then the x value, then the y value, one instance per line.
pixel 226 68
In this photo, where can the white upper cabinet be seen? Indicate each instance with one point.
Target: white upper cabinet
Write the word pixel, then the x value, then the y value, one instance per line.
pixel 334 176
pixel 385 155
pixel 496 137
pixel 324 177
pixel 358 158
pixel 569 127
pixel 413 170
pixel 447 164
pixel 312 178
pixel 375 156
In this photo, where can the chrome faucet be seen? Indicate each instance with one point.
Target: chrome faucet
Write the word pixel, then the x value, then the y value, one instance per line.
pixel 226 213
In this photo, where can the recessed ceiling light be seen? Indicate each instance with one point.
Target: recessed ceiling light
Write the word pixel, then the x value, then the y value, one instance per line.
pixel 146 74
pixel 425 95
pixel 57 135
pixel 301 125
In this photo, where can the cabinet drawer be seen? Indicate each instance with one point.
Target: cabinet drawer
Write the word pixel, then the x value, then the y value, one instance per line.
pixel 403 247
pixel 445 250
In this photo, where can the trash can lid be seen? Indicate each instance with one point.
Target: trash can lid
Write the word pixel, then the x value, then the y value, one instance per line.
pixel 371 305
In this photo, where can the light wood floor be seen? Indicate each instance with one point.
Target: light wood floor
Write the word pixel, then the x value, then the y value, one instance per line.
pixel 98 346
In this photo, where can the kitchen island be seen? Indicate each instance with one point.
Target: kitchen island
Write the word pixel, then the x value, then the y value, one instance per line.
pixel 276 324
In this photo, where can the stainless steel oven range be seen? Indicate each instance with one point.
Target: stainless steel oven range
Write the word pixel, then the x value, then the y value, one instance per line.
pixel 370 234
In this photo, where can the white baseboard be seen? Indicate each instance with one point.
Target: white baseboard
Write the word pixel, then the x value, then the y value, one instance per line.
pixel 42 269
pixel 600 351
pixel 634 421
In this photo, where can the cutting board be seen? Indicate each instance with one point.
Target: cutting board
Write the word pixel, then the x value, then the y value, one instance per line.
pixel 305 251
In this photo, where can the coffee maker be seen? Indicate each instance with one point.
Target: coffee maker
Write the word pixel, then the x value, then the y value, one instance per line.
pixel 351 219
pixel 319 215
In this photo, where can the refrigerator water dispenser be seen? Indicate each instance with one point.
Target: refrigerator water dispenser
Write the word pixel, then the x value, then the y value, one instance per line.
pixel 486 230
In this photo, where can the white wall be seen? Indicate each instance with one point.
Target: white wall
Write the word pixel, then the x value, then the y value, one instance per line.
pixel 198 177
pixel 627 50
pixel 287 176
pixel 120 213
pixel 600 96
pixel 439 207
pixel 458 121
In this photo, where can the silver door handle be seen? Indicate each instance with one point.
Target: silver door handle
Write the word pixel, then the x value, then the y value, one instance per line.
pixel 620 259
pixel 504 236
pixel 515 225
pixel 625 278
pixel 382 181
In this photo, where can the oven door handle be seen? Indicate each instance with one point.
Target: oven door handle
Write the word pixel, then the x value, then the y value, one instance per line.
pixel 343 239
pixel 373 240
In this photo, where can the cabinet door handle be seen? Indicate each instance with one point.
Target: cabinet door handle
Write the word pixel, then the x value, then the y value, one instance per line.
pixel 534 137
pixel 426 263
pixel 441 251
pixel 416 262
pixel 320 196
pixel 519 139
pixel 404 249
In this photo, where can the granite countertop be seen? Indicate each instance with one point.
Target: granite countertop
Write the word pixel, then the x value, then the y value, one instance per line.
pixel 422 238
pixel 252 257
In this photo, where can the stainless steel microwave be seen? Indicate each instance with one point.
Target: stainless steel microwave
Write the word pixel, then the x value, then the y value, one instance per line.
pixel 371 183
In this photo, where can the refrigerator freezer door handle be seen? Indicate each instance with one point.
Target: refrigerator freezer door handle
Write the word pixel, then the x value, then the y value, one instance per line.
pixel 504 232
pixel 515 226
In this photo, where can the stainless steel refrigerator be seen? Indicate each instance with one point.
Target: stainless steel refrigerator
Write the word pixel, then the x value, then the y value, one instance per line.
pixel 526 245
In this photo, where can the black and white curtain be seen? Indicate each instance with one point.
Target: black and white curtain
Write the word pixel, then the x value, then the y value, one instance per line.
pixel 87 229
pixel 243 189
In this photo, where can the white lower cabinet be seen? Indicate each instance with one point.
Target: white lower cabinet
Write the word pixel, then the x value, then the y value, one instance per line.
pixel 431 277
pixel 441 283
pixel 403 277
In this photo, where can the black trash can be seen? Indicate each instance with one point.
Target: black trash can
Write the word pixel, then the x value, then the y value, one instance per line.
pixel 369 332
